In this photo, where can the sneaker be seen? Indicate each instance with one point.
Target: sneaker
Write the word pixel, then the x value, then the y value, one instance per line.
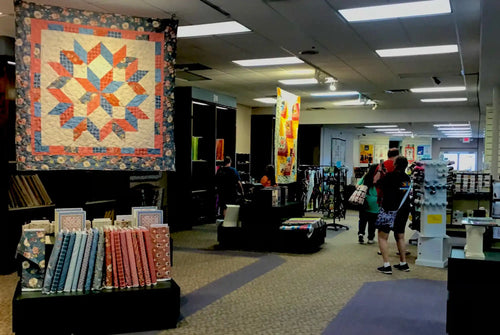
pixel 370 242
pixel 385 269
pixel 361 240
pixel 404 268
pixel 406 253
pixel 379 252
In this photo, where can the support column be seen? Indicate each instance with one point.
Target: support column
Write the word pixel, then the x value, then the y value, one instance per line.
pixel 495 131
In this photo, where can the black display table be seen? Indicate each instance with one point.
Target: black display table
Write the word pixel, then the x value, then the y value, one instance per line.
pixel 473 288
pixel 100 312
pixel 260 230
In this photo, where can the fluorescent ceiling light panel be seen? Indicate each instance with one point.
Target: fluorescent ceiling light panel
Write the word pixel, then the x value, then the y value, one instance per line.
pixel 418 8
pixel 355 102
pixel 444 100
pixel 305 81
pixel 268 61
pixel 199 103
pixel 388 130
pixel 454 128
pixel 209 29
pixel 383 126
pixel 452 125
pixel 266 100
pixel 335 94
pixel 418 51
pixel 438 89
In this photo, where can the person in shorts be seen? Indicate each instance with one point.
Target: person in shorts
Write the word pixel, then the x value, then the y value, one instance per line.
pixel 394 186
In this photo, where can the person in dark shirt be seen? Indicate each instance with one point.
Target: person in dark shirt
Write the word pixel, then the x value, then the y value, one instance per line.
pixel 394 186
pixel 228 184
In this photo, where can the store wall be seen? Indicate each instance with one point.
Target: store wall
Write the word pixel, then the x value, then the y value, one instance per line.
pixel 327 134
pixel 243 128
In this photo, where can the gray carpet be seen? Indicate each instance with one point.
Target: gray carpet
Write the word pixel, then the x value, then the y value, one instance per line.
pixel 412 306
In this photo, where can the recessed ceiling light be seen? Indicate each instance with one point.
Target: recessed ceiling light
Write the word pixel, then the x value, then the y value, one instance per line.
pixel 266 100
pixel 305 81
pixel 385 130
pixel 438 89
pixel 335 94
pixel 418 51
pixel 268 61
pixel 400 10
pixel 382 126
pixel 444 100
pixel 219 28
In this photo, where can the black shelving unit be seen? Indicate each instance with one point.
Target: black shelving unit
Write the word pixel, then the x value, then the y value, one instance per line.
pixel 243 166
pixel 192 184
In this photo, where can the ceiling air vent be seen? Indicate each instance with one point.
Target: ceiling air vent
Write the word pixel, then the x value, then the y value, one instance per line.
pixel 398 90
pixel 315 108
pixel 184 71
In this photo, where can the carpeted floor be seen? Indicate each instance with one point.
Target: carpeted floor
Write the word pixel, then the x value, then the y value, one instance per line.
pixel 243 292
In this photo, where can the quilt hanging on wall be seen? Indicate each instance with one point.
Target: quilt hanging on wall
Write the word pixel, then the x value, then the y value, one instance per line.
pixel 286 134
pixel 94 90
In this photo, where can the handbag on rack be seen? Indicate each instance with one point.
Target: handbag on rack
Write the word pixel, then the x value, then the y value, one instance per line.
pixel 357 198
pixel 387 218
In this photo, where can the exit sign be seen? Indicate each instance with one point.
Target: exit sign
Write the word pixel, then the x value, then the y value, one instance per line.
pixel 466 140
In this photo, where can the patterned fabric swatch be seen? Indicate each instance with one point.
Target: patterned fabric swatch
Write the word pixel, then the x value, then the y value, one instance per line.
pixel 131 258
pixel 149 251
pixel 51 266
pixel 126 263
pixel 109 260
pixel 99 262
pixel 137 255
pixel 92 259
pixel 113 258
pixel 119 260
pixel 31 251
pixel 160 238
pixel 144 258
pixel 73 261
pixel 60 262
pixel 79 261
pixel 85 261
pixel 67 260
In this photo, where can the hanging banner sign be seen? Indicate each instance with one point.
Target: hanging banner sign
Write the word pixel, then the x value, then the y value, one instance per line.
pixel 285 138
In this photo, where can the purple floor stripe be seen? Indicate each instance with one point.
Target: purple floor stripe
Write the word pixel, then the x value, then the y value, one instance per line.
pixel 194 301
pixel 410 307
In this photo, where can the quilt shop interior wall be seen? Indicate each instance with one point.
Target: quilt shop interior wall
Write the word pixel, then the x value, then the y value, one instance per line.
pixel 243 129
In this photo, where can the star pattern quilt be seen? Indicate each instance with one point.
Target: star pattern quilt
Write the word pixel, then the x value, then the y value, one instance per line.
pixel 95 91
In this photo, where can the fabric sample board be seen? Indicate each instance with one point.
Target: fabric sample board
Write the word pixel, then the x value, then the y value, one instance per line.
pixel 144 258
pixel 73 261
pixel 126 263
pixel 108 282
pixel 119 260
pixel 160 238
pixel 92 259
pixel 51 266
pixel 67 261
pixel 85 261
pixel 98 92
pixel 99 267
pixel 31 252
pixel 149 250
pixel 138 262
pixel 148 217
pixel 60 262
pixel 131 258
